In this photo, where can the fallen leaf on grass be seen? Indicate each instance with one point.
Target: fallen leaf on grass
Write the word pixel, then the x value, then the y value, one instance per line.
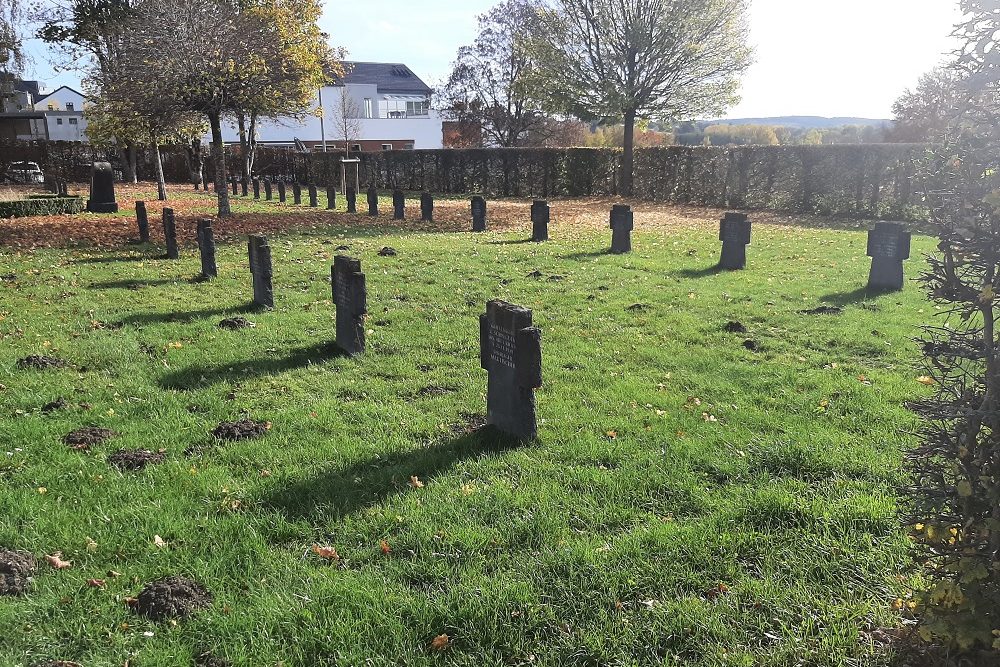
pixel 95 583
pixel 440 642
pixel 926 380
pixel 384 546
pixel 415 482
pixel 159 542
pixel 56 561
pixel 328 553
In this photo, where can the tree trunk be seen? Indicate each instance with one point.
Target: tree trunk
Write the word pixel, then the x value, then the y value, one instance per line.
pixel 628 155
pixel 219 156
pixel 195 161
pixel 251 149
pixel 242 123
pixel 128 162
pixel 161 185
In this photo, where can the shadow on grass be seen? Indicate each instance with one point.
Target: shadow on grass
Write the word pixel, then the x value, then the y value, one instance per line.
pixel 134 283
pixel 511 242
pixel 854 296
pixel 588 255
pixel 715 269
pixel 187 315
pixel 200 375
pixel 113 259
pixel 336 493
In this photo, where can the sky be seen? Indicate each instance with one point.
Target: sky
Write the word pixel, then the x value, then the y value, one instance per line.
pixel 843 58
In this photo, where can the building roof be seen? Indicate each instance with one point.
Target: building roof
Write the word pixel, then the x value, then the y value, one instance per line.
pixel 389 77
pixel 47 95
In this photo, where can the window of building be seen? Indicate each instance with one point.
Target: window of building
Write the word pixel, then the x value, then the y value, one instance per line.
pixel 52 107
pixel 416 108
pixel 404 106
pixel 368 107
pixel 387 147
pixel 69 106
pixel 356 148
pixel 408 146
pixel 58 121
pixel 72 121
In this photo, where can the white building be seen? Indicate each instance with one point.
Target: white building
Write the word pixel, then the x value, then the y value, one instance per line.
pixel 27 114
pixel 386 104
pixel 63 110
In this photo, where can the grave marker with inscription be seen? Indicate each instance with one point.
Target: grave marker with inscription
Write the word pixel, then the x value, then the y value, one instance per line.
pixel 510 350
pixel 352 199
pixel 102 189
pixel 540 220
pixel 478 214
pixel 372 200
pixel 142 220
pixel 206 246
pixel 734 232
pixel 426 207
pixel 170 233
pixel 260 269
pixel 621 228
pixel 398 205
pixel 351 299
pixel 888 246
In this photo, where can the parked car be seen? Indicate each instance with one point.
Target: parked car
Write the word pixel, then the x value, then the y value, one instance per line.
pixel 24 172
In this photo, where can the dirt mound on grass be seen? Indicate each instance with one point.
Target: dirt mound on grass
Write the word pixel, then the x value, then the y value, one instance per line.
pixel 58 404
pixel 233 323
pixel 84 438
pixel 40 362
pixel 171 597
pixel 16 568
pixel 823 310
pixel 734 327
pixel 244 429
pixel 135 459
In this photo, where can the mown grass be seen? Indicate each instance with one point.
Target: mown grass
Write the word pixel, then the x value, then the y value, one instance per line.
pixel 689 501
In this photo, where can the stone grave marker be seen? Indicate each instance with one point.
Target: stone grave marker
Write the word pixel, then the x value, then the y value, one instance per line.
pixel 478 214
pixel 313 196
pixel 372 200
pixel 331 197
pixel 102 189
pixel 351 299
pixel 426 207
pixel 256 188
pixel 540 220
pixel 206 246
pixel 260 269
pixel 204 179
pixel 142 220
pixel 510 350
pixel 621 228
pixel 267 189
pixel 888 246
pixel 734 232
pixel 398 205
pixel 170 233
pixel 296 193
pixel 243 187
pixel 236 185
pixel 281 192
pixel 352 199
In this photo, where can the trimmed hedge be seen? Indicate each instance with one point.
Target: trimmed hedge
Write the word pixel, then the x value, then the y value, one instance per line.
pixel 40 205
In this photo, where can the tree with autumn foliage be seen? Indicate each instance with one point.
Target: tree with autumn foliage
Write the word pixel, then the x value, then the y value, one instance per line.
pixel 219 59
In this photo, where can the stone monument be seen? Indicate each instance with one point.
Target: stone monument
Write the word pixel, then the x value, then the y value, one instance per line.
pixel 331 198
pixel 372 200
pixel 398 205
pixel 142 220
pixel 352 199
pixel 621 229
pixel 102 189
pixel 510 350
pixel 351 299
pixel 170 233
pixel 478 214
pixel 888 246
pixel 260 269
pixel 426 207
pixel 734 232
pixel 206 246
pixel 540 220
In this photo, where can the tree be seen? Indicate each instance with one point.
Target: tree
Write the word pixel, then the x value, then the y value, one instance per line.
pixel 11 51
pixel 493 81
pixel 926 110
pixel 218 58
pixel 346 119
pixel 632 59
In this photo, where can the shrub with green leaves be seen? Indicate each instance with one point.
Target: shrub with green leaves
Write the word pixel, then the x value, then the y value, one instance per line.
pixel 23 208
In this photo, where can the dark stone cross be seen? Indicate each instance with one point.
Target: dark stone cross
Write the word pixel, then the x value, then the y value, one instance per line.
pixel 398 205
pixel 243 186
pixel 256 188
pixel 351 298
pixel 734 232
pixel 478 214
pixel 235 184
pixel 260 269
pixel 281 192
pixel 206 245
pixel 352 199
pixel 102 189
pixel 621 228
pixel 204 179
pixel 331 197
pixel 267 189
pixel 372 200
pixel 426 207
pixel 296 193
pixel 142 219
pixel 540 220
pixel 510 350
pixel 170 233
pixel 888 246
pixel 313 196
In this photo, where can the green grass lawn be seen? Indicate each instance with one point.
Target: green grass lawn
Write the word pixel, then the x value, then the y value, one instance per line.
pixel 689 501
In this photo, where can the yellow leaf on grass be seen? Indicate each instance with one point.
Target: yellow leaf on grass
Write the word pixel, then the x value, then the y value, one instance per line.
pixel 328 553
pixel 415 482
pixel 440 642
pixel 56 561
pixel 926 379
pixel 159 542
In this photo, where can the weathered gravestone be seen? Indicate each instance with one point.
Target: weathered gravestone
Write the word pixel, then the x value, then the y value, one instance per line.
pixel 478 214
pixel 351 299
pixel 621 228
pixel 102 189
pixel 204 179
pixel 142 220
pixel 267 189
pixel 236 185
pixel 398 205
pixel 888 246
pixel 206 246
pixel 256 188
pixel 372 200
pixel 296 193
pixel 540 220
pixel 260 269
pixel 331 197
pixel 510 350
pixel 243 187
pixel 734 232
pixel 170 233
pixel 426 207
pixel 281 192
pixel 352 199
pixel 313 196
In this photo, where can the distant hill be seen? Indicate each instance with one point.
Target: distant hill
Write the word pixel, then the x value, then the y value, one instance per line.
pixel 800 122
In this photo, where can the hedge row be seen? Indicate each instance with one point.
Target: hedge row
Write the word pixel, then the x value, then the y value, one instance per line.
pixel 22 208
